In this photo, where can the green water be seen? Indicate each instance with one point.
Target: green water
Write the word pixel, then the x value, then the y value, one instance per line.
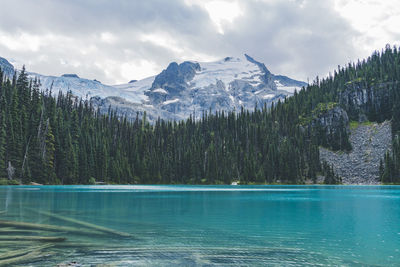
pixel 213 225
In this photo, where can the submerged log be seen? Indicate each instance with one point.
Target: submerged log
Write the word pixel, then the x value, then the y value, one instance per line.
pixel 18 243
pixel 24 258
pixel 86 224
pixel 45 227
pixel 20 252
pixel 67 244
pixel 4 229
pixel 33 238
pixel 10 230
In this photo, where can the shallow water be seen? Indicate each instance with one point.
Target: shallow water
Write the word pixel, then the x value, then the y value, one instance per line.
pixel 213 225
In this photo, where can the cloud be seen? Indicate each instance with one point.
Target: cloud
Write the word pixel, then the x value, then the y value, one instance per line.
pixel 377 21
pixel 298 38
pixel 120 40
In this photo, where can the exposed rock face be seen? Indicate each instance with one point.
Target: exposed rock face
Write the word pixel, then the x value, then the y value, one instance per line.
pixel 329 124
pixel 362 100
pixel 331 119
pixel 175 78
pixel 355 94
pixel 268 77
pixel 361 165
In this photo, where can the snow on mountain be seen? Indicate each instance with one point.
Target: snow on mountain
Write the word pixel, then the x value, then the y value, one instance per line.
pixel 6 67
pixel 79 87
pixel 228 84
pixel 286 84
pixel 137 89
pixel 226 71
pixel 182 89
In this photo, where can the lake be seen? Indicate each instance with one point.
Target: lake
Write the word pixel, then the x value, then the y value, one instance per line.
pixel 202 225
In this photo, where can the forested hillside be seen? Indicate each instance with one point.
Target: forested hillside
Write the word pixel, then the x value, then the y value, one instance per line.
pixel 63 140
pixel 59 139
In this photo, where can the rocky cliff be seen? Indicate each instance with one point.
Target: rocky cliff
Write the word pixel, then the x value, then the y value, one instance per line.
pixel 366 102
pixel 329 124
pixel 330 117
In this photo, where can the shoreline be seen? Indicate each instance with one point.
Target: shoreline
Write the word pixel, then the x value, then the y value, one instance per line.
pixel 200 185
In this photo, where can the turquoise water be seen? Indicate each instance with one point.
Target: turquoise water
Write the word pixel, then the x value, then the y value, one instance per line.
pixel 213 225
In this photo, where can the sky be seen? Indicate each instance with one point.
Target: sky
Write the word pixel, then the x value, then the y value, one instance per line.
pixel 121 40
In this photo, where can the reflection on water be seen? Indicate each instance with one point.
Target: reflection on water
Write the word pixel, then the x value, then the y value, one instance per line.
pixel 200 225
pixel 8 198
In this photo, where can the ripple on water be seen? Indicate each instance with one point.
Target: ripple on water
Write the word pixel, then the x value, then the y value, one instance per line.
pixel 215 225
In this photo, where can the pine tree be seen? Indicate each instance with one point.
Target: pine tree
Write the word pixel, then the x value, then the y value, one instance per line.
pixel 2 142
pixel 48 155
pixel 396 114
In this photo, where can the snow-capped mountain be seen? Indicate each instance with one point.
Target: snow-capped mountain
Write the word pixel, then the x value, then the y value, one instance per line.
pixel 194 87
pixel 183 89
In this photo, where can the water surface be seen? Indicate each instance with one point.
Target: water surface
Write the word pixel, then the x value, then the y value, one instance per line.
pixel 213 225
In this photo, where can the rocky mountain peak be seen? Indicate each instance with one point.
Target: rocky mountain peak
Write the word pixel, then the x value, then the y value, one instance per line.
pixel 175 77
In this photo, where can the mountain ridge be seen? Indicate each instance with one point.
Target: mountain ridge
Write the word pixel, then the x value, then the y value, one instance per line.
pixel 184 89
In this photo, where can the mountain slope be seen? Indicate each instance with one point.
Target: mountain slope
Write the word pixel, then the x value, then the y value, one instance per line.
pixel 6 67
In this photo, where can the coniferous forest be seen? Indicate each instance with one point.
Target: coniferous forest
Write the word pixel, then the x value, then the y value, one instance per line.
pixel 63 140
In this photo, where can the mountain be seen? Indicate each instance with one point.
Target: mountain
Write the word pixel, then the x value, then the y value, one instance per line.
pixel 6 67
pixel 228 84
pixel 183 89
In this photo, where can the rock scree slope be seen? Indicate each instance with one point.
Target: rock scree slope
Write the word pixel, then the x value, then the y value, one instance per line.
pixel 361 166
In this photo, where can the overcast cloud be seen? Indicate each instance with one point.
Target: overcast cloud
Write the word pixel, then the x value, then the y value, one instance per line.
pixel 120 40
